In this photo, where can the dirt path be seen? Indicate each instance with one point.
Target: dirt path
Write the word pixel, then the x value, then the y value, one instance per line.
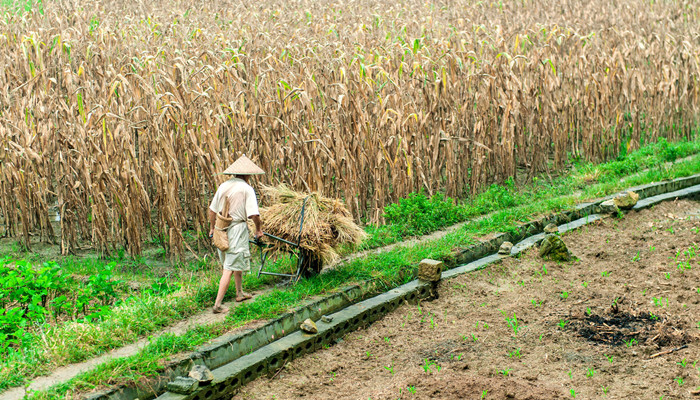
pixel 533 329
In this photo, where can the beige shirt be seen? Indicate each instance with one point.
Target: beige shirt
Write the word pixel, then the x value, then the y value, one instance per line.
pixel 243 204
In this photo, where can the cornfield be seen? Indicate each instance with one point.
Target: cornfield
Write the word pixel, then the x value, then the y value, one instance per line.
pixel 119 115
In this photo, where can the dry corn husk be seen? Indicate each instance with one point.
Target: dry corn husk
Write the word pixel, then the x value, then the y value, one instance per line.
pixel 327 223
pixel 123 138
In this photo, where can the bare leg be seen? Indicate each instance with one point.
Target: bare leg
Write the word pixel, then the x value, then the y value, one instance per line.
pixel 238 280
pixel 223 287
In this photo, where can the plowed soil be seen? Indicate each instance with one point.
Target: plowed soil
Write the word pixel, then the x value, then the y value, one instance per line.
pixel 532 329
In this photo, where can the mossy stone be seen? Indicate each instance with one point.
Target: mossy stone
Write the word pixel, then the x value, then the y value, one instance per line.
pixel 555 249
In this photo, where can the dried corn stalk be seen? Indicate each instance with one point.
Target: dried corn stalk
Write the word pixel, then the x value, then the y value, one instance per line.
pixel 118 117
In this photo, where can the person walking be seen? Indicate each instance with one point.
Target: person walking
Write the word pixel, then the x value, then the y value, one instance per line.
pixel 242 205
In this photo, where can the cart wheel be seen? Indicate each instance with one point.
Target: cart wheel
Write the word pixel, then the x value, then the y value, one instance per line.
pixel 311 265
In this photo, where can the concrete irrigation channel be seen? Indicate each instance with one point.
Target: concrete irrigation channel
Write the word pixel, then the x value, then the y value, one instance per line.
pixel 237 359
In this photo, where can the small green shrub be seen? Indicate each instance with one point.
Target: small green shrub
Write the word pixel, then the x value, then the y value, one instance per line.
pixel 30 296
pixel 669 152
pixel 497 197
pixel 419 214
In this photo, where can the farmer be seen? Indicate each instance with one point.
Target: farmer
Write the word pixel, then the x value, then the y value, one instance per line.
pixel 242 205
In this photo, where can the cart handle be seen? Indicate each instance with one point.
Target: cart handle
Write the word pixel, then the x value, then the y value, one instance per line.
pixel 261 244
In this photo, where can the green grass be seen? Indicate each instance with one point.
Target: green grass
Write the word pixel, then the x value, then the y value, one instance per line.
pixel 21 6
pixel 75 341
pixel 507 205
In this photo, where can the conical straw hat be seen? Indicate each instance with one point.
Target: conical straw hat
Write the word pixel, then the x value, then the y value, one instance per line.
pixel 244 166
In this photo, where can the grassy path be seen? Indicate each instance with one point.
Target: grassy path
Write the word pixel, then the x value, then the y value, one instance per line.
pixel 67 372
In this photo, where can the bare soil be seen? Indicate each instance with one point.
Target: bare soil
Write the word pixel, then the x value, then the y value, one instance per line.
pixel 590 328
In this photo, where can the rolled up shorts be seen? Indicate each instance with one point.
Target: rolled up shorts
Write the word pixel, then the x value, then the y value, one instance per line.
pixel 235 261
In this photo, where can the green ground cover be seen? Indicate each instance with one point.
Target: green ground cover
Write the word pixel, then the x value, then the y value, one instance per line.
pixel 507 204
pixel 21 6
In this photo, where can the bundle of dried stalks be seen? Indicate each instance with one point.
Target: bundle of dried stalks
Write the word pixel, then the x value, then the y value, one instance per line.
pixel 327 223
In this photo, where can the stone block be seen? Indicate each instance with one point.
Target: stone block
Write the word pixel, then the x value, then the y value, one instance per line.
pixel 551 228
pixel 430 270
pixel 609 207
pixel 554 248
pixel 626 200
pixel 183 385
pixel 308 326
pixel 505 248
pixel 202 374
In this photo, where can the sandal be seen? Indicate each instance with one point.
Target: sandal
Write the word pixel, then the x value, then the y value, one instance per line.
pixel 245 297
pixel 220 310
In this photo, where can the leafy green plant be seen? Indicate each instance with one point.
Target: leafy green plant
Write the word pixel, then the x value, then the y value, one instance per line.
pixel 419 214
pixel 615 302
pixel 514 353
pixel 30 296
pixel 660 301
pixel 512 322
pixel 429 365
pixel 162 286
pixel 636 257
pixel 390 368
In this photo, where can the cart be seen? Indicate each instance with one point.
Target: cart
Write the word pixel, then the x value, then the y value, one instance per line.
pixel 294 249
